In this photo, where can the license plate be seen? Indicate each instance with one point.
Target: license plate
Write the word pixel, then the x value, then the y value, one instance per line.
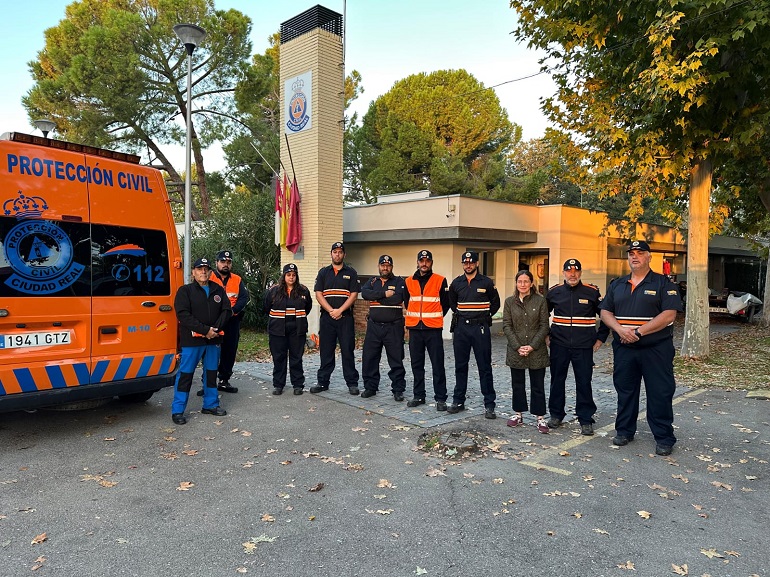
pixel 42 339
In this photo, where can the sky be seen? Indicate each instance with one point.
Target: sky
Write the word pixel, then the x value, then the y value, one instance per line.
pixel 385 40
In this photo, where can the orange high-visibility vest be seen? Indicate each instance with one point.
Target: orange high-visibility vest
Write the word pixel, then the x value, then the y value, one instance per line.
pixel 425 306
pixel 233 281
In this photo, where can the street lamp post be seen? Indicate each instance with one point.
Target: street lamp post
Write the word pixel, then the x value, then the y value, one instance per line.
pixel 190 35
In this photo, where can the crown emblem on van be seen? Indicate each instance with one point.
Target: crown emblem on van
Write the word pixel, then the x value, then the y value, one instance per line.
pixel 25 206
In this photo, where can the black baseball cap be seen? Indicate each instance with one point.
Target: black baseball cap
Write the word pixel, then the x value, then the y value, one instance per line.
pixel 572 263
pixel 337 245
pixel 386 259
pixel 425 254
pixel 638 245
pixel 471 256
pixel 201 262
pixel 291 267
pixel 224 255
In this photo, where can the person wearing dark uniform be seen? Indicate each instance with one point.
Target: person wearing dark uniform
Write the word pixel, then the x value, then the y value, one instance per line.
pixel 239 297
pixel 574 340
pixel 288 304
pixel 641 308
pixel 336 290
pixel 427 302
pixel 474 300
pixel 384 328
pixel 202 309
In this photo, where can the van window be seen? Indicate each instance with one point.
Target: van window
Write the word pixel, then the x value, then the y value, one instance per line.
pixel 44 258
pixel 129 261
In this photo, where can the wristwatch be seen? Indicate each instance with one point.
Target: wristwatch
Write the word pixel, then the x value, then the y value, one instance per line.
pixel 637 333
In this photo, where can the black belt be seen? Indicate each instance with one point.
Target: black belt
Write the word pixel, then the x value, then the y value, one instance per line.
pixel 481 321
pixel 387 323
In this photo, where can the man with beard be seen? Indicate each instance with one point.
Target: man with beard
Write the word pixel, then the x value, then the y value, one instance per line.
pixel 641 308
pixel 238 295
pixel 384 328
pixel 475 300
pixel 574 340
pixel 336 289
pixel 427 302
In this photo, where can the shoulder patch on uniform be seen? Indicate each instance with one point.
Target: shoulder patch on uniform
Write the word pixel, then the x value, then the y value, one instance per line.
pixel 593 286
pixel 554 286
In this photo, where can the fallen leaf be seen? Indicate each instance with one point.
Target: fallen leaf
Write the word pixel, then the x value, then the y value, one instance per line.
pixel 722 485
pixel 106 483
pixel 316 488
pixel 242 570
pixel 185 486
pixel 40 538
pixel 109 438
pixel 385 484
pixel 267 518
pixel 564 453
pixel 433 472
pixel 680 569
pixel 497 481
pixel 577 515
pixel 359 429
pixel 644 514
pixel 627 565
pixel 550 533
pixel 601 531
pixel 733 553
pixel 311 518
pixel 384 511
pixel 190 452
pixel 245 434
pixel 420 571
pixel 285 462
pixel 711 553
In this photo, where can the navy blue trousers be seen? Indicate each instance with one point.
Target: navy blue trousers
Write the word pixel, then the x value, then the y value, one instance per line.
pixel 329 333
pixel 479 338
pixel 291 346
pixel 654 364
pixel 431 340
pixel 389 336
pixel 582 361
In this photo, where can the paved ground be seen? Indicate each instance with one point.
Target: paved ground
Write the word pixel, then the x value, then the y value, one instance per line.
pixel 311 486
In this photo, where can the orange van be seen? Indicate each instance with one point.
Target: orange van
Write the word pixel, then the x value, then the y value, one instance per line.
pixel 89 267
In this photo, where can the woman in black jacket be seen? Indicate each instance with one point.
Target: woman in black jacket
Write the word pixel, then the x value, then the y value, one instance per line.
pixel 288 304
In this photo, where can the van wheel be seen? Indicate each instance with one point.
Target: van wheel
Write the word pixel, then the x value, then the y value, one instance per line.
pixel 136 397
pixel 79 406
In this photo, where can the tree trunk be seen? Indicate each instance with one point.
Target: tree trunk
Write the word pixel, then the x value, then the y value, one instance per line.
pixel 696 326
pixel 765 320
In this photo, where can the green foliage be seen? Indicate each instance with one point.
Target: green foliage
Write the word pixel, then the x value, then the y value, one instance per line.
pixel 652 88
pixel 442 131
pixel 113 73
pixel 242 221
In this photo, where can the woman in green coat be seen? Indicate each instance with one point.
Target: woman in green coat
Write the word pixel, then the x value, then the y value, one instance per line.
pixel 525 324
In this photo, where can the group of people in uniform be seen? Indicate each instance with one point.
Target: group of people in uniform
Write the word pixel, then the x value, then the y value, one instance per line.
pixel 558 330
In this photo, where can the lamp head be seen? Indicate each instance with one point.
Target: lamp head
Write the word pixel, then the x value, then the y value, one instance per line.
pixel 45 126
pixel 190 35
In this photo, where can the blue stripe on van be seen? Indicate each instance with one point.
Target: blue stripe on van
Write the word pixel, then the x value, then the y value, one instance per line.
pixel 165 367
pixel 99 370
pixel 55 376
pixel 144 369
pixel 123 367
pixel 82 374
pixel 2 389
pixel 26 382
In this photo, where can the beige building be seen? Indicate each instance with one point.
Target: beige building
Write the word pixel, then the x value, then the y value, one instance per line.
pixel 511 236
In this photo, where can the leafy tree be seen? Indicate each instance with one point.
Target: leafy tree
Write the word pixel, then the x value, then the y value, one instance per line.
pixel 441 131
pixel 242 222
pixel 114 74
pixel 659 93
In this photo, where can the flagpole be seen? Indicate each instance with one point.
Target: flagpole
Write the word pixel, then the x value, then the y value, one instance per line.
pixel 291 160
